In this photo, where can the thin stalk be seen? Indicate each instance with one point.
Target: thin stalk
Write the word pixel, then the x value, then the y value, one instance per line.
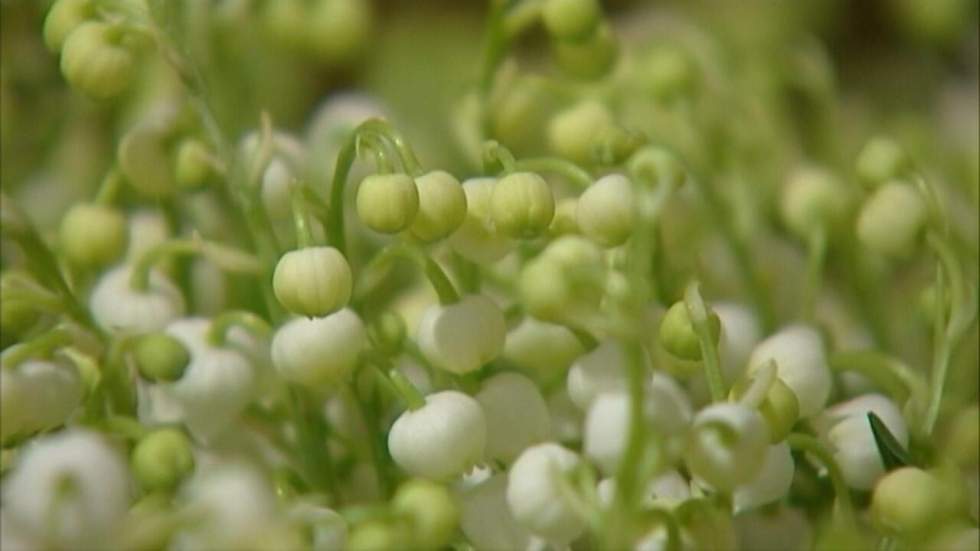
pixel 40 346
pixel 225 257
pixel 698 313
pixel 571 172
pixel 218 330
pixel 816 256
pixel 312 441
pixel 814 447
pixel 304 237
pixel 109 188
pixel 406 390
pixel 628 471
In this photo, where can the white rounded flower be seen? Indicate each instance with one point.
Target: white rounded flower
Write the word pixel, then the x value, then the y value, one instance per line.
pixel 849 432
pixel 147 229
pixel 667 489
pixel 727 445
pixel 601 370
pixel 535 496
pixel 119 308
pixel 606 210
pixel 516 414
pixel 70 489
pixel 441 439
pixel 318 352
pixel 476 240
pixel 771 484
pixel 541 346
pixel 462 337
pixel 801 364
pixel 37 395
pixel 485 517
pixel 740 333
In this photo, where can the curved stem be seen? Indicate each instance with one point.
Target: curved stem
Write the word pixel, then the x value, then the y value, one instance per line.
pixel 304 237
pixel 814 447
pixel 568 170
pixel 225 257
pixel 410 395
pixel 406 154
pixel 698 313
pixel 437 277
pixel 496 154
pixel 39 346
pixel 218 331
pixel 109 188
pixel 816 256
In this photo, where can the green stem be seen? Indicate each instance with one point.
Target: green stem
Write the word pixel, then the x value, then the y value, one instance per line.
pixel 218 330
pixel 40 346
pixel 814 447
pixel 698 313
pixel 410 395
pixel 816 256
pixel 304 237
pixel 127 427
pixel 628 472
pixel 225 257
pixel 437 277
pixel 568 170
pixel 312 436
pixel 495 154
pixel 406 154
pixel 109 188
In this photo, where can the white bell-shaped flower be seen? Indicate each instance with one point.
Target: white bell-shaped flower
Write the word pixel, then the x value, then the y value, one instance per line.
pixel 462 337
pixel 37 395
pixel 727 445
pixel 800 363
pixel 848 431
pixel 535 495
pixel 476 239
pixel 601 370
pixel 319 352
pixel 119 308
pixel 667 489
pixel 485 517
pixel 740 333
pixel 771 484
pixel 327 527
pixel 516 414
pixel 542 347
pixel 440 440
pixel 70 489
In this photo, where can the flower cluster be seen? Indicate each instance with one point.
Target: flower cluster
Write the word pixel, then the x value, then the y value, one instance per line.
pixel 648 291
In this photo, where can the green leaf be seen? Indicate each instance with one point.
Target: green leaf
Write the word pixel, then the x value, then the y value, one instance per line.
pixel 893 454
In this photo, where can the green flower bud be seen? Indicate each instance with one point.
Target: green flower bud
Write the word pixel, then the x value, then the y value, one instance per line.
pixel 910 502
pixel 606 210
pixel 93 234
pixel 285 21
pixel 565 282
pixel 431 511
pixel 677 334
pixel 376 535
pixel 880 160
pixel 387 203
pixel 161 357
pixel 95 61
pixel 668 74
pixel 338 30
pixel 144 159
pixel 892 219
pixel 519 109
pixel 590 59
pixel 387 332
pixel 442 206
pixel 313 282
pixel 162 458
pixel 657 166
pixel 522 205
pixel 193 164
pixel 571 20
pixel 779 407
pixel 565 222
pixel 572 133
pixel 476 239
pixel 63 17
pixel 813 199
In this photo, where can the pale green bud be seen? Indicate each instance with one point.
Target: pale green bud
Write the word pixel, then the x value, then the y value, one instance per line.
pixel 387 203
pixel 571 20
pixel 813 199
pixel 432 514
pixel 657 166
pixel 376 535
pixel 677 334
pixel 442 206
pixel 519 110
pixel 606 211
pixel 565 282
pixel 285 20
pixel 880 160
pixel 565 221
pixel 668 74
pixel 161 357
pixel 892 219
pixel 476 238
pixel 910 501
pixel 162 458
pixel 572 133
pixel 193 164
pixel 63 17
pixel 315 281
pixel 92 234
pixel 338 30
pixel 95 61
pixel 144 159
pixel 522 205
pixel 779 407
pixel 590 59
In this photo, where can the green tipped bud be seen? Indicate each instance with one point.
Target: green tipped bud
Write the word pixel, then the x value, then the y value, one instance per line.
pixel 193 166
pixel 677 334
pixel 95 61
pixel 338 30
pixel 565 222
pixel 571 20
pixel 387 203
pixel 892 219
pixel 657 166
pixel 442 206
pixel 313 282
pixel 63 17
pixel 573 132
pixel 161 357
pixel 93 234
pixel 669 74
pixel 387 332
pixel 812 200
pixel 606 211
pixel 162 458
pixel 910 502
pixel 880 160
pixel 590 59
pixel 432 514
pixel 522 205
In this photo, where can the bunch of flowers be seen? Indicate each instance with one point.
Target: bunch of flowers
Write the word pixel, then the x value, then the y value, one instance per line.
pixel 660 297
